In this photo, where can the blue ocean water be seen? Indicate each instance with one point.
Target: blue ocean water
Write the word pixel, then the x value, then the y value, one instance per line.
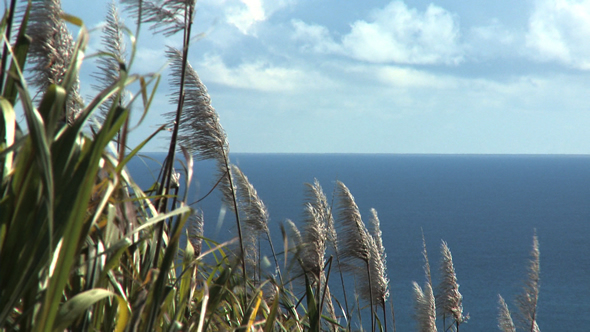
pixel 486 207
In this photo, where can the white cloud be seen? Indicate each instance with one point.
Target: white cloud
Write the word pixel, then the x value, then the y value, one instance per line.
pixel 259 76
pixel 245 14
pixel 316 37
pixel 394 34
pixel 559 30
pixel 403 35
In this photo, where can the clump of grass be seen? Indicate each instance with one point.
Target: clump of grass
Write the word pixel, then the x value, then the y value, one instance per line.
pixel 100 254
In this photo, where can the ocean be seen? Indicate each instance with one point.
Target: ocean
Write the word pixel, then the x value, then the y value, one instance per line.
pixel 486 207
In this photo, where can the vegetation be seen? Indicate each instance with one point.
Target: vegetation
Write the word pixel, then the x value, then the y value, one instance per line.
pixel 101 254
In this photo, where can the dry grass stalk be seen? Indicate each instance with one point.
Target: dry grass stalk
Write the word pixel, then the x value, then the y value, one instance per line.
pixel 313 252
pixel 51 51
pixel 254 216
pixel 505 322
pixel 109 66
pixel 317 198
pixel 378 262
pixel 425 308
pixel 527 301
pixel 294 235
pixel 355 242
pixel 167 17
pixel 426 261
pixel 200 131
pixel 314 238
pixel 354 239
pixel 380 282
pixel 449 299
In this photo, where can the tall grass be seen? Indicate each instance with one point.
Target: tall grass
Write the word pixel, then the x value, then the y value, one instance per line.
pixel 84 248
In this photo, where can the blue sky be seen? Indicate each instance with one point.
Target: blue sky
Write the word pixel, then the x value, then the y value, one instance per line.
pixel 385 76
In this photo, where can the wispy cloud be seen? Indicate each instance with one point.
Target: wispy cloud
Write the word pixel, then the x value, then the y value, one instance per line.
pixel 259 75
pixel 492 40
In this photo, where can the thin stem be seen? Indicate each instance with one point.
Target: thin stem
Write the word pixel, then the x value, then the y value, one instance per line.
pixel 235 203
pixel 326 282
pixel 5 49
pixel 392 315
pixel 167 178
pixel 384 315
pixel 371 297
pixel 347 314
pixel 274 255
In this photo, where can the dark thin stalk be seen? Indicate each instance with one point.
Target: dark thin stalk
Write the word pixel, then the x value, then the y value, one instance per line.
pixel 371 297
pixel 5 49
pixel 343 290
pixel 169 165
pixel 210 191
pixel 384 315
pixel 329 265
pixel 274 255
pixel 392 315
pixel 235 203
pixel 319 302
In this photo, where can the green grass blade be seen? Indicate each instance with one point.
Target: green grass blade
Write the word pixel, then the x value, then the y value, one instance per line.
pixel 73 308
pixel 7 139
pixel 272 316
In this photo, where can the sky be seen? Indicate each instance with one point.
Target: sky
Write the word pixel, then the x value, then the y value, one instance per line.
pixel 368 76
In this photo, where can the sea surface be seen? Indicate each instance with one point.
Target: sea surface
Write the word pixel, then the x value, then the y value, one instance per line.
pixel 486 207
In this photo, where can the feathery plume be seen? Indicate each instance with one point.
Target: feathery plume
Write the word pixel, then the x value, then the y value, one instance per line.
pixel 426 262
pixel 425 308
pixel 51 51
pixel 317 198
pixel 314 237
pixel 167 17
pixel 527 301
pixel 379 265
pixel 195 231
pixel 378 262
pixel 294 233
pixel 251 251
pixel 355 242
pixel 355 238
pixel 255 216
pixel 505 322
pixel 449 300
pixel 254 210
pixel 200 131
pixel 109 66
